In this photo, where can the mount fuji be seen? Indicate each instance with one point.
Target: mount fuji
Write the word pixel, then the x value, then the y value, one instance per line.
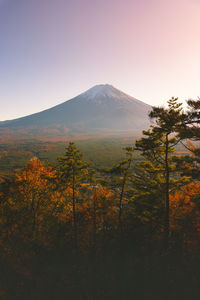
pixel 103 109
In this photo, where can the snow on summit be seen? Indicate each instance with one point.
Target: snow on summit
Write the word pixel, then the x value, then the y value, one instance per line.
pixel 100 93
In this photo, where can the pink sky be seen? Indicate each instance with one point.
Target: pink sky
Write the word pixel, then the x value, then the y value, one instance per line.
pixel 51 50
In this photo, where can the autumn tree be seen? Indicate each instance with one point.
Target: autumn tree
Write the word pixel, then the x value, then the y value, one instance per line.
pixel 185 219
pixel 32 186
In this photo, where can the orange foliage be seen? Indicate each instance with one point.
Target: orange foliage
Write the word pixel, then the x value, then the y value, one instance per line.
pixel 184 207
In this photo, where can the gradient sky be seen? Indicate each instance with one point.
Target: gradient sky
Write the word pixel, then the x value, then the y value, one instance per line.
pixel 53 50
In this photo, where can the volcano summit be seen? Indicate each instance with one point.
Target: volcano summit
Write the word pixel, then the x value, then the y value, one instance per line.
pixel 103 109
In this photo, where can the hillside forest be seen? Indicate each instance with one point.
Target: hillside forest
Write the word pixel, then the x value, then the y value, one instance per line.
pixel 125 230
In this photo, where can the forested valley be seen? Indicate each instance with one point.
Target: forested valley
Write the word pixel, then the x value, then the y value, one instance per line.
pixel 72 230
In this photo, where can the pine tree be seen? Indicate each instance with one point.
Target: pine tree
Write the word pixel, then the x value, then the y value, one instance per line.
pixel 122 170
pixel 73 169
pixel 191 130
pixel 157 147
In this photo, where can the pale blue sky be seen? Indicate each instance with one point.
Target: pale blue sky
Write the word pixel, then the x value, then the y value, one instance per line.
pixel 52 50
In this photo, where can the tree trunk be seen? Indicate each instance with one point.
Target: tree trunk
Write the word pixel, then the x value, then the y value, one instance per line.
pixel 166 222
pixel 94 221
pixel 121 196
pixel 74 214
pixel 120 204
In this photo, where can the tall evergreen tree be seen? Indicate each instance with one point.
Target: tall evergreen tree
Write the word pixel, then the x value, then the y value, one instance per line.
pixel 122 170
pixel 191 131
pixel 73 169
pixel 192 125
pixel 158 145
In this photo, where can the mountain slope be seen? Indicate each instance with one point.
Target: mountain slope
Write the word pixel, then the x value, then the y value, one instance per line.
pixel 102 108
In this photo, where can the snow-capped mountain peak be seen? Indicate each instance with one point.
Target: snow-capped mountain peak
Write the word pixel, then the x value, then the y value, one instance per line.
pixel 99 109
pixel 105 92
